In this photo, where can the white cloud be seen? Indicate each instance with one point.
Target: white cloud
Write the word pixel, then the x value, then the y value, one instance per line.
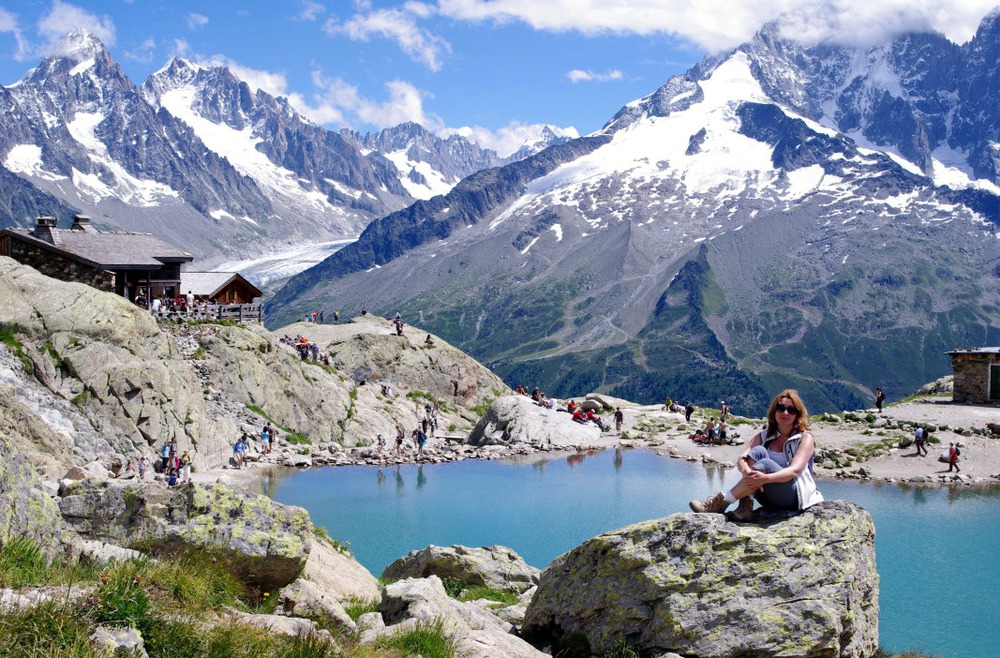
pixel 181 48
pixel 310 10
pixel 143 52
pixel 727 23
pixel 399 25
pixel 578 75
pixel 275 84
pixel 9 24
pixel 509 138
pixel 64 18
pixel 340 102
pixel 195 21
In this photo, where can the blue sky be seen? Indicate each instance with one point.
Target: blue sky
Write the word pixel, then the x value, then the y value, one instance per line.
pixel 490 69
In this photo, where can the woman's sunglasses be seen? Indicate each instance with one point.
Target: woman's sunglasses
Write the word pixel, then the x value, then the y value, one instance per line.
pixel 789 409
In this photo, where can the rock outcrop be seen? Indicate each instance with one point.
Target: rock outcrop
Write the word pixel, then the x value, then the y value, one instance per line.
pixel 112 384
pixel 266 543
pixel 517 419
pixel 26 512
pixel 476 632
pixel 701 586
pixel 496 567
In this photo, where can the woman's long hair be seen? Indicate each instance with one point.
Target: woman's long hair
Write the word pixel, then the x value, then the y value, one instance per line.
pixel 801 420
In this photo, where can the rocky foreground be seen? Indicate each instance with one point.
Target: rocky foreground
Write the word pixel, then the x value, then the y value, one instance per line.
pixel 89 383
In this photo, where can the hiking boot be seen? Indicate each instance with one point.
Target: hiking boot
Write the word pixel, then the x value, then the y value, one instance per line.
pixel 715 505
pixel 744 512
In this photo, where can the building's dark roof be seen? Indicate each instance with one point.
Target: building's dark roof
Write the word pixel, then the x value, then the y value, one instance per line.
pixel 976 350
pixel 109 249
pixel 207 284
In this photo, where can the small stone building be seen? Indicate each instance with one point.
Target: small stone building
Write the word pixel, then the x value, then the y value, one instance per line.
pixel 220 287
pixel 116 261
pixel 977 375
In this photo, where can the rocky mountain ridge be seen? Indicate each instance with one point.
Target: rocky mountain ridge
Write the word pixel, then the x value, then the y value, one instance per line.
pixel 201 159
pixel 780 215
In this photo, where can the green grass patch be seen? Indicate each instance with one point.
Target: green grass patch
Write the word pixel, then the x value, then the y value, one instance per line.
pixel 490 594
pixel 16 347
pixel 355 607
pixel 427 639
pixel 22 563
pixel 457 589
pixel 621 649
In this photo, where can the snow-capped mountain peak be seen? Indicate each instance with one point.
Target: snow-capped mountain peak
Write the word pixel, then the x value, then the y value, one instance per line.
pixel 79 45
pixel 779 215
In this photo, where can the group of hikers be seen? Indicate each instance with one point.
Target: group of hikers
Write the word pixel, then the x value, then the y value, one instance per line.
pixel 716 434
pixel 308 350
pixel 578 412
pixel 319 317
pixel 419 438
pixel 175 465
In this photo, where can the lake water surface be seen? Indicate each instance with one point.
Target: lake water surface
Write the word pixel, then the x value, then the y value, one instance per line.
pixel 935 546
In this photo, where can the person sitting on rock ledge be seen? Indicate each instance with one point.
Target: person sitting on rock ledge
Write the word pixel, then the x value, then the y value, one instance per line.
pixel 777 466
pixel 594 418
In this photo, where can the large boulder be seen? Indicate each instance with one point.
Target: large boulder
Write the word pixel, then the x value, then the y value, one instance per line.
pixel 518 419
pixel 496 567
pixel 339 574
pixel 702 586
pixel 266 543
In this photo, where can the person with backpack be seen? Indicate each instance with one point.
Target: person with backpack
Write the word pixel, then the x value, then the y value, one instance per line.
pixel 920 440
pixel 953 454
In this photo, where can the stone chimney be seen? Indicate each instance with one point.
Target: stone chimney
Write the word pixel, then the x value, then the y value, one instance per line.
pixel 45 229
pixel 82 223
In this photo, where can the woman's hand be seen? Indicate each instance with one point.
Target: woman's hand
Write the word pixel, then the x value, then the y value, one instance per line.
pixel 757 479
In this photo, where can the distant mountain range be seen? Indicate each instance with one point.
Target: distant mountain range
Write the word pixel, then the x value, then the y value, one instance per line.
pixel 819 217
pixel 198 157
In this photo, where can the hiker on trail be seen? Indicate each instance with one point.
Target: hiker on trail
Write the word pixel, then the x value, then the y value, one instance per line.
pixel 619 419
pixel 879 398
pixel 920 441
pixel 724 412
pixel 240 451
pixel 185 471
pixel 953 455
pixel 400 435
pixel 164 456
pixel 688 410
pixel 336 316
pixel 143 466
pixel 777 467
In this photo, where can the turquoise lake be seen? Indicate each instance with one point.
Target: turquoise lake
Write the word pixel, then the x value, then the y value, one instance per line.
pixel 935 546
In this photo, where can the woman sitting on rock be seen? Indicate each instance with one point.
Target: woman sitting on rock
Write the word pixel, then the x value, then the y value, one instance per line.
pixel 777 466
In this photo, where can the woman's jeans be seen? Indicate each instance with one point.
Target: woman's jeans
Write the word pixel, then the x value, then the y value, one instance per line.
pixel 783 496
